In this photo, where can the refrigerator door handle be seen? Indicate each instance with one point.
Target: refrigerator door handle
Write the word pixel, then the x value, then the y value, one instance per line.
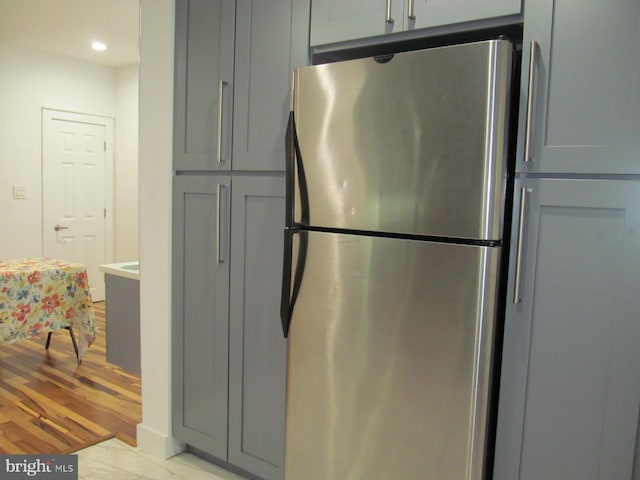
pixel 290 169
pixel 291 286
pixel 294 171
pixel 285 299
pixel 517 298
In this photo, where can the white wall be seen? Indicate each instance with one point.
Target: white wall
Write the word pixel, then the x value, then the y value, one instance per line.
pixel 29 81
pixel 126 164
pixel 155 143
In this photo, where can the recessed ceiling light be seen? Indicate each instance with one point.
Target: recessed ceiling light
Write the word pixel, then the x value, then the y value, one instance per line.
pixel 98 46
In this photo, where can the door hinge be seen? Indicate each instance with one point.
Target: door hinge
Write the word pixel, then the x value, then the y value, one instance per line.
pixel 105 146
pixel 105 213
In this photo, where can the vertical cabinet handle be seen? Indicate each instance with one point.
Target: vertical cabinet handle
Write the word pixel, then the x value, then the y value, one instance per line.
pixel 389 18
pixel 531 101
pixel 218 222
pixel 517 298
pixel 412 14
pixel 221 86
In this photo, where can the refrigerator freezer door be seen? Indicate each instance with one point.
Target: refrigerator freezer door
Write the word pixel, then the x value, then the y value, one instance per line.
pixel 389 359
pixel 416 144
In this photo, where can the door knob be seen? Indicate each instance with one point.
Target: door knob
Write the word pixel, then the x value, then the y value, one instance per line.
pixel 57 228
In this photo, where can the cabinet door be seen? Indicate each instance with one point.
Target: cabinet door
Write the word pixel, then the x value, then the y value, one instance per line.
pixel 258 348
pixel 201 312
pixel 340 20
pixel 203 90
pixel 432 13
pixel 585 116
pixel 272 38
pixel 570 388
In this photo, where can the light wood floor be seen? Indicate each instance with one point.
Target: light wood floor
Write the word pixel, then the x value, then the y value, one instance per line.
pixel 50 404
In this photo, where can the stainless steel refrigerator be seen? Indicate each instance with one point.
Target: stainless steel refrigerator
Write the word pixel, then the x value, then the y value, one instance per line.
pixel 396 180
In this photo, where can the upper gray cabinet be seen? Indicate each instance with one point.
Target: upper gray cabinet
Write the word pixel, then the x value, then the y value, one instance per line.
pixel 272 39
pixel 233 79
pixel 203 84
pixel 338 20
pixel 580 102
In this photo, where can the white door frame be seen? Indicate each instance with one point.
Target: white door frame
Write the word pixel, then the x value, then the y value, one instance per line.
pixel 49 114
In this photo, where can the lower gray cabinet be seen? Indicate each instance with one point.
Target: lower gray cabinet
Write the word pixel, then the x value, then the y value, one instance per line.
pixel 229 355
pixel 122 297
pixel 200 312
pixel 257 368
pixel 569 388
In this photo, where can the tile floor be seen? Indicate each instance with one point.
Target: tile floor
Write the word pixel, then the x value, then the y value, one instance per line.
pixel 114 459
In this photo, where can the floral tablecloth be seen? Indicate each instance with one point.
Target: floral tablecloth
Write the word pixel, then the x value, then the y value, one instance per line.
pixel 43 294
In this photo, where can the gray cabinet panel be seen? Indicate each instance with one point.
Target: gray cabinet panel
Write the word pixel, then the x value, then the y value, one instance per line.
pixel 229 365
pixel 200 312
pixel 570 392
pixel 338 20
pixel 271 41
pixel 258 348
pixel 432 13
pixel 586 113
pixel 122 303
pixel 204 39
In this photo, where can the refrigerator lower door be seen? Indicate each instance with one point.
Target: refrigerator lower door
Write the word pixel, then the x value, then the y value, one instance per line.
pixel 389 359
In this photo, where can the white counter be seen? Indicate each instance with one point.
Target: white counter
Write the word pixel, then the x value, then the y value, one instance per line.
pixel 123 269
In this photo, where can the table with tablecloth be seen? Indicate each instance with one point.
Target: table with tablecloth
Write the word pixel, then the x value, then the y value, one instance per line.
pixel 43 294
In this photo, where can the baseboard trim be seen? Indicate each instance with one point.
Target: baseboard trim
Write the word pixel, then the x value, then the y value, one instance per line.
pixel 157 444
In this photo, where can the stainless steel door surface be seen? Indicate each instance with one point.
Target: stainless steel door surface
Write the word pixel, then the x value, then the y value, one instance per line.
pixel 389 357
pixel 414 145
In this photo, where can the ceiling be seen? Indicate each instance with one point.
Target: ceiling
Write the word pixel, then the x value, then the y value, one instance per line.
pixel 68 27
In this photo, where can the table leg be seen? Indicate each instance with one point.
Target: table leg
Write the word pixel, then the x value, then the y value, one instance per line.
pixel 73 340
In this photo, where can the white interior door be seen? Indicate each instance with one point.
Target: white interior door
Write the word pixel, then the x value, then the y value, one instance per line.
pixel 74 191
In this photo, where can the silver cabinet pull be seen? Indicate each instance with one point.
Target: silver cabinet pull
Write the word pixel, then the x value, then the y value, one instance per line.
pixel 389 17
pixel 518 274
pixel 221 86
pixel 218 213
pixel 531 101
pixel 57 228
pixel 412 14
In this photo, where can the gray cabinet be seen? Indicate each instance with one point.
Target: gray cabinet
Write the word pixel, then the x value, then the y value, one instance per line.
pixel 229 355
pixel 585 87
pixel 272 39
pixel 257 369
pixel 232 98
pixel 203 84
pixel 233 67
pixel 200 334
pixel 337 20
pixel 570 391
pixel 122 301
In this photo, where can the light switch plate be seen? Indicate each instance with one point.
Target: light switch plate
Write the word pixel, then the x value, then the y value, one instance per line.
pixel 19 192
